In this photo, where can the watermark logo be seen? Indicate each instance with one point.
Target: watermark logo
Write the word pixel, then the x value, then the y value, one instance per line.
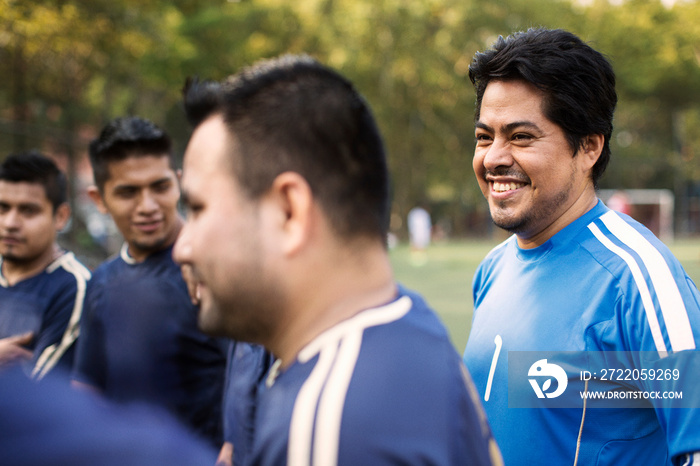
pixel 602 379
pixel 541 369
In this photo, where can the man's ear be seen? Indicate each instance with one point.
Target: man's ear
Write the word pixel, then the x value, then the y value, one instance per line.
pixel 96 197
pixel 590 150
pixel 61 216
pixel 291 200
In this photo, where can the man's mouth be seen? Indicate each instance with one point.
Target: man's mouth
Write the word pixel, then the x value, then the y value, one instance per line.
pixel 500 187
pixel 10 240
pixel 148 227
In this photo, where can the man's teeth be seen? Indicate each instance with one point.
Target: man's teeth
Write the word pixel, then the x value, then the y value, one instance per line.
pixel 502 187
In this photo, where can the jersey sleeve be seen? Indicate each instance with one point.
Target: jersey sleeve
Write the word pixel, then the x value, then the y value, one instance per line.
pixel 54 343
pixel 420 408
pixel 90 357
pixel 663 321
pixel 247 365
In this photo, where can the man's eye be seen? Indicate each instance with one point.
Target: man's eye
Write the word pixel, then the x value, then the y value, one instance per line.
pixel 126 193
pixel 29 211
pixel 193 209
pixel 162 187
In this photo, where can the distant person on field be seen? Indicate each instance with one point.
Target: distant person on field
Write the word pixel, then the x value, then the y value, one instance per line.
pixel 140 338
pixel 620 202
pixel 419 228
pixel 41 285
pixel 286 185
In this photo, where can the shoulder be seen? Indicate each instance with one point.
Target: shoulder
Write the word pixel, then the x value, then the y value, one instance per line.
pixel 500 250
pixel 159 270
pixel 385 386
pixel 65 275
pixel 649 277
pixel 69 266
pixel 497 259
pixel 400 356
pixel 617 235
pixel 631 253
pixel 500 253
pixel 112 266
pixel 393 369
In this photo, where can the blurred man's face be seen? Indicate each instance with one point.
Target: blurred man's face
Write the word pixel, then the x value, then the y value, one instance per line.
pixel 28 224
pixel 223 240
pixel 141 195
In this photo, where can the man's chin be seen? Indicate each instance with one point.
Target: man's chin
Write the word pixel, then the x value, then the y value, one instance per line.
pixel 150 246
pixel 510 224
pixel 12 257
pixel 208 322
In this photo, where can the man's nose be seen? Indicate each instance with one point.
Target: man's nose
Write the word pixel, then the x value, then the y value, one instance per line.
pixel 498 155
pixel 11 219
pixel 182 250
pixel 147 202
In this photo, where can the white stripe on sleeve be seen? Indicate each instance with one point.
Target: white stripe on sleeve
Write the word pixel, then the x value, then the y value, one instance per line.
pixel 641 285
pixel 672 306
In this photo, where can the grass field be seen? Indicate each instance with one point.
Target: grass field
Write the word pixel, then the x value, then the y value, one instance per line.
pixel 445 274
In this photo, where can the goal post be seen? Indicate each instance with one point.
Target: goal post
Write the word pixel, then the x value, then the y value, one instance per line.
pixel 651 207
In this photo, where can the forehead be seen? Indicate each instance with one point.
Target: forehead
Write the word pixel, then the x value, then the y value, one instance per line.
pixel 23 193
pixel 207 160
pixel 509 100
pixel 141 169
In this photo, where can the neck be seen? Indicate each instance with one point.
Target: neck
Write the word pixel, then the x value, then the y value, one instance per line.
pixel 16 271
pixel 583 203
pixel 343 285
pixel 133 253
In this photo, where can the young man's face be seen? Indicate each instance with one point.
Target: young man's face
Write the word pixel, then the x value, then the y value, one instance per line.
pixel 141 195
pixel 223 240
pixel 524 163
pixel 28 224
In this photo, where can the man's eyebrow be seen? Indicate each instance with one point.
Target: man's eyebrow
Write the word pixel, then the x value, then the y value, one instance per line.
pixel 21 205
pixel 165 179
pixel 510 127
pixel 484 126
pixel 126 186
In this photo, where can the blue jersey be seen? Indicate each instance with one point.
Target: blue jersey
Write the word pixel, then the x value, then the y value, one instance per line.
pixel 247 366
pixel 48 304
pixel 604 283
pixel 140 342
pixel 383 387
pixel 51 423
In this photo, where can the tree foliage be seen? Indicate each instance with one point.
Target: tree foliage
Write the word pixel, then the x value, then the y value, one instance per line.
pixel 73 64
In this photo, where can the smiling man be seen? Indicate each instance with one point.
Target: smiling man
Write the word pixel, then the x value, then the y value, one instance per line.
pixel 576 283
pixel 41 285
pixel 140 338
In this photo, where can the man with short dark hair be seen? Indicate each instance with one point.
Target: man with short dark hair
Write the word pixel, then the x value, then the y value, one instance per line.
pixel 582 304
pixel 140 338
pixel 41 285
pixel 286 185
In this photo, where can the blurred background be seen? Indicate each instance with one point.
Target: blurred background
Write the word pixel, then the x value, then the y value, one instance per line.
pixel 69 66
